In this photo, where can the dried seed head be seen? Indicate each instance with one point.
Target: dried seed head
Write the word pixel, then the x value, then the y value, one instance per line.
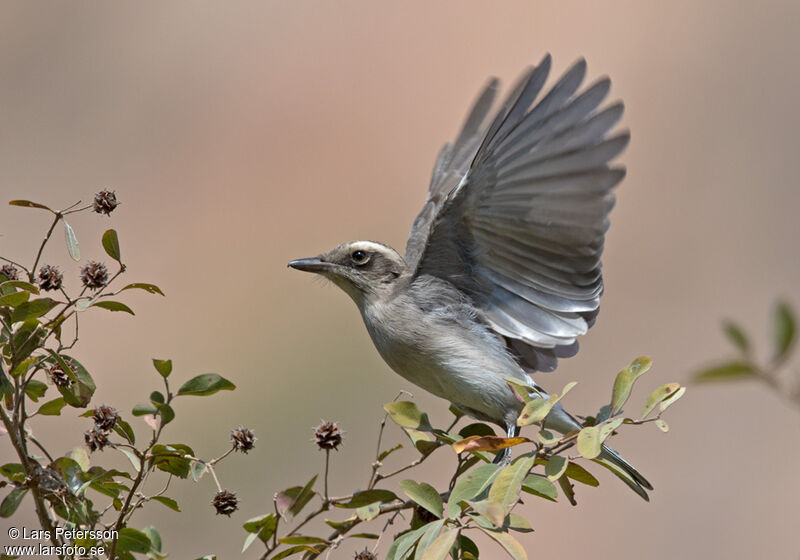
pixel 104 202
pixel 96 439
pixel 9 271
pixel 105 417
pixel 243 439
pixel 328 435
pixel 50 278
pixel 225 503
pixel 365 555
pixel 58 376
pixel 94 275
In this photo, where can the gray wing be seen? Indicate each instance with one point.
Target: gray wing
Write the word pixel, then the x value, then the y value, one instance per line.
pixel 517 212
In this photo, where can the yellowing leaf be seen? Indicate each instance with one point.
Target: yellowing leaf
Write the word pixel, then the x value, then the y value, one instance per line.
pixel 534 411
pixel 624 382
pixel 589 444
pixel 556 466
pixel 487 443
pixel 657 396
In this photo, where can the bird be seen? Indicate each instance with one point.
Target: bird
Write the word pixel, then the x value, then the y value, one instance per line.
pixel 502 268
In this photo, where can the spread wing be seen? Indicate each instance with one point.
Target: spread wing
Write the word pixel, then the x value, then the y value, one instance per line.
pixel 518 209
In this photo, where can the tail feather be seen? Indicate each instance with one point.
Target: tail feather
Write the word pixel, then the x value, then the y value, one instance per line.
pixel 614 462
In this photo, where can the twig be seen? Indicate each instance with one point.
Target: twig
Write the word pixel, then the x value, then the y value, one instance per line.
pixel 32 271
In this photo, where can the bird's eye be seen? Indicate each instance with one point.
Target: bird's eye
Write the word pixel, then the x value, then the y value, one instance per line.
pixel 359 256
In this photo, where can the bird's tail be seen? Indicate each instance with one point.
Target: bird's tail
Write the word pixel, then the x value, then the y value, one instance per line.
pixel 563 422
pixel 614 462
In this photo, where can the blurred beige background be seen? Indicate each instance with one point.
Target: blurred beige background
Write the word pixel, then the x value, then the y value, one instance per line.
pixel 241 135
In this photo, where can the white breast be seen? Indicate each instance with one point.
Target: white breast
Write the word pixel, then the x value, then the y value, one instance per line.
pixel 463 365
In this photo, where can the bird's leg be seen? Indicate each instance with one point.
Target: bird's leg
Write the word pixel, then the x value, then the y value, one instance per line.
pixel 504 457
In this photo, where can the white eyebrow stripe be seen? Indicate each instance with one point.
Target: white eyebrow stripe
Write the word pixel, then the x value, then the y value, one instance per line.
pixel 371 246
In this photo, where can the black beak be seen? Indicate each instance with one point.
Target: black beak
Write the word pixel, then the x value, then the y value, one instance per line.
pixel 313 264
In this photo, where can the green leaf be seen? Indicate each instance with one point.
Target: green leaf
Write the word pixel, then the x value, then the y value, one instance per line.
pixel 131 540
pixel 12 501
pixel 301 539
pixel 785 329
pixel 657 396
pixel 172 458
pixel 80 456
pixel 263 527
pixel 294 550
pixel 35 389
pixel 198 470
pixel 506 487
pixel 80 392
pixel 72 242
pixel 469 486
pixel 509 543
pixel 534 411
pixel 131 457
pixel 476 429
pixel 407 415
pixel 589 444
pixel 32 309
pixel 726 372
pixel 367 497
pixel 469 549
pixel 547 437
pixel 662 425
pixel 369 512
pixel 556 466
pixel 111 244
pixel 124 429
pixel 169 502
pixel 736 335
pixel 428 537
pixel 29 204
pixel 70 472
pixel 440 547
pixel 28 287
pixel 519 523
pixel 292 500
pixel 608 428
pixel 143 409
pixel 163 367
pixel 52 408
pixel 14 472
pixel 425 495
pixel 113 306
pixel 494 512
pixel 385 453
pixel 167 414
pixel 577 472
pixel 405 542
pixel 206 384
pixel 14 299
pixel 624 382
pixel 149 288
pixel 155 539
pixel 422 441
pixel 540 486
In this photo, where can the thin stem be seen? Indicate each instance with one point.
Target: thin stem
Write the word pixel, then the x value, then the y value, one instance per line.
pixel 136 483
pixel 327 463
pixel 214 474
pixel 30 471
pixel 32 271
pixel 40 446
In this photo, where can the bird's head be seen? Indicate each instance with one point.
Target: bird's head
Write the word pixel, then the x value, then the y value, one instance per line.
pixel 363 269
